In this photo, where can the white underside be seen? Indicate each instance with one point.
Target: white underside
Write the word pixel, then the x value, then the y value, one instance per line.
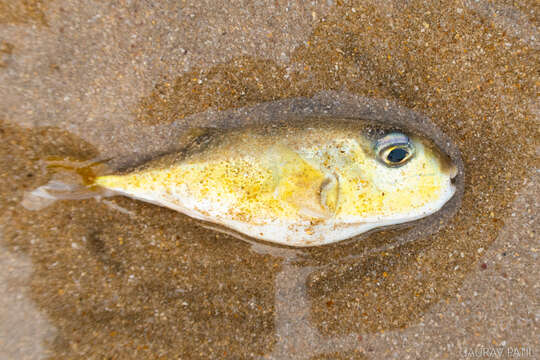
pixel 291 233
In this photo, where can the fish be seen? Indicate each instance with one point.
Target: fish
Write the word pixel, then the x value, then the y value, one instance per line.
pixel 299 183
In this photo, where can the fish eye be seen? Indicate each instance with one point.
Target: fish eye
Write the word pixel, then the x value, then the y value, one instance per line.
pixel 394 149
pixel 396 155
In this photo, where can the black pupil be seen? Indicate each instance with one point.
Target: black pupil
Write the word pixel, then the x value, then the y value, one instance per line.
pixel 397 155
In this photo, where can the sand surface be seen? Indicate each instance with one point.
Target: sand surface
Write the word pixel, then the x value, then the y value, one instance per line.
pixel 120 279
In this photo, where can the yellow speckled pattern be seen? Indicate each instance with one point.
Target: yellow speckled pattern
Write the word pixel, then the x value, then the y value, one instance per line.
pixel 327 180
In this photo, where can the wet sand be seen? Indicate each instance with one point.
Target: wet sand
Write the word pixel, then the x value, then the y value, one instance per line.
pixel 118 278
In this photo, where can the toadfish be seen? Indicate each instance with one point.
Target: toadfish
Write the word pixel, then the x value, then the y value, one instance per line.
pixel 312 182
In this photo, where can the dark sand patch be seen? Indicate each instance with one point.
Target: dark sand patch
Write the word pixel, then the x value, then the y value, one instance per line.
pixel 22 11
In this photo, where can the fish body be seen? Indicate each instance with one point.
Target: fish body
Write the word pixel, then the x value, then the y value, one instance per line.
pixel 311 183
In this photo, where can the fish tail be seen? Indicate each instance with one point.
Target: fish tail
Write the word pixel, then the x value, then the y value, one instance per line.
pixel 71 180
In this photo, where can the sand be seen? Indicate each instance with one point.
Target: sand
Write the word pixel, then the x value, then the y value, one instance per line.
pixel 117 278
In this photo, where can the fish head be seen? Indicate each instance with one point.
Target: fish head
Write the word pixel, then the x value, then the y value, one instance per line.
pixel 396 178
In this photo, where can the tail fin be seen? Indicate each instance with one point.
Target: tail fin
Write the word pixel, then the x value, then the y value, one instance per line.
pixel 72 180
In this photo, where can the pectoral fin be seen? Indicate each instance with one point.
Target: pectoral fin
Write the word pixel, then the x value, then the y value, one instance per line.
pixel 317 200
pixel 305 196
pixel 312 192
pixel 329 193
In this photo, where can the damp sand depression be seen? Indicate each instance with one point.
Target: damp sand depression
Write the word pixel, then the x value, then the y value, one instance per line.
pixel 118 277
